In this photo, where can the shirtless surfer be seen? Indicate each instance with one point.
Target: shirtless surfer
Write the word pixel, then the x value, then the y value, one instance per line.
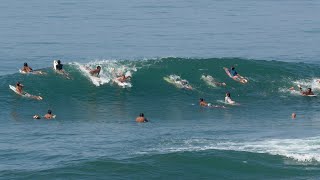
pixel 308 92
pixel 203 103
pixel 19 89
pixel 141 118
pixel 95 72
pixel 49 115
pixel 26 68
pixel 123 78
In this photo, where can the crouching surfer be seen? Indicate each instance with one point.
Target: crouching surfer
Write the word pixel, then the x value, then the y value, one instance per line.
pixel 228 99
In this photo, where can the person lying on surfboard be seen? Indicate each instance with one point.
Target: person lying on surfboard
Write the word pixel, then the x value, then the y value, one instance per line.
pixel 228 99
pixel 26 68
pixel 19 88
pixel 308 92
pixel 141 118
pixel 234 75
pixel 49 115
pixel 123 78
pixel 203 103
pixel 95 72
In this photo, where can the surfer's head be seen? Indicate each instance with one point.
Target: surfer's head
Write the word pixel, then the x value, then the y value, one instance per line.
pixel 25 64
pixel 98 67
pixel 228 94
pixel 141 115
pixel 58 61
pixel 49 111
pixel 309 89
pixel 201 99
pixel 232 68
pixel 18 84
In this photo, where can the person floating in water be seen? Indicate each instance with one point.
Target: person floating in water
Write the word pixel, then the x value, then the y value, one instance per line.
pixel 228 99
pixel 95 72
pixel 49 115
pixel 141 118
pixel 26 68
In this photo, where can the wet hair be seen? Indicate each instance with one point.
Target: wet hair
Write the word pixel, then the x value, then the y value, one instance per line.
pixel 201 99
pixel 232 68
pixel 59 61
pixel 309 89
pixel 18 83
pixel 98 67
pixel 141 115
pixel 25 64
pixel 228 94
pixel 49 111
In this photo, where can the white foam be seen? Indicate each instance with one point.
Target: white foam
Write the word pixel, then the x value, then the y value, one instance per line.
pixel 110 70
pixel 302 150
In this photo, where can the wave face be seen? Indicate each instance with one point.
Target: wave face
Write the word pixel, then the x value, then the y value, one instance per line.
pixel 95 130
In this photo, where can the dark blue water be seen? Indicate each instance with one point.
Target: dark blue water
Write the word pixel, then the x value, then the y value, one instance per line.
pixel 95 136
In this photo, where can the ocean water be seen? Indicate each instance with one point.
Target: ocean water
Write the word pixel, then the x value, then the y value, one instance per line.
pixel 272 43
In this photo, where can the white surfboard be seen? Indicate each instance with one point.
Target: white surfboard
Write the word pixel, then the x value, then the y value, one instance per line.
pixel 27 95
pixel 32 72
pixel 122 84
pixel 55 63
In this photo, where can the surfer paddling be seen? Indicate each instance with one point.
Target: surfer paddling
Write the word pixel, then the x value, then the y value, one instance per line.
pixel 203 103
pixel 26 68
pixel 141 118
pixel 123 78
pixel 48 116
pixel 95 72
pixel 307 92
pixel 19 90
pixel 58 67
pixel 235 75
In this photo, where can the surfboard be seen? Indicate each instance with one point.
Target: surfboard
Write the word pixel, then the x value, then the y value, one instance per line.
pixel 32 72
pixel 223 102
pixel 178 82
pixel 27 95
pixel 122 84
pixel 94 79
pixel 238 78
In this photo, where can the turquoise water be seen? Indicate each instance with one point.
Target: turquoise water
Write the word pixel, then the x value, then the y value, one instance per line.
pixel 273 44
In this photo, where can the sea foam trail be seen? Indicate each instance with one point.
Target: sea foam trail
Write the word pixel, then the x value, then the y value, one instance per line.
pixel 305 150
